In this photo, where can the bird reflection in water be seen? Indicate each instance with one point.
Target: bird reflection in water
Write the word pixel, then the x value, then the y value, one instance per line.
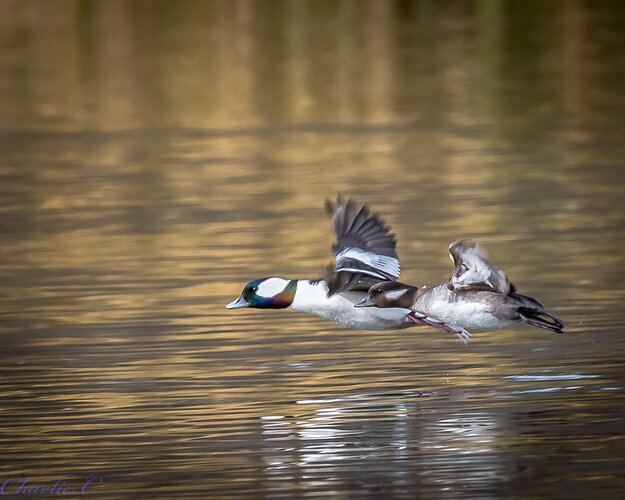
pixel 384 443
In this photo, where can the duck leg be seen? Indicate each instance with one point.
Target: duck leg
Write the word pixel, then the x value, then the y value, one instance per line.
pixel 421 319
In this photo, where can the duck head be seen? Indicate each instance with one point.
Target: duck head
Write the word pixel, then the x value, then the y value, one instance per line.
pixel 389 294
pixel 266 293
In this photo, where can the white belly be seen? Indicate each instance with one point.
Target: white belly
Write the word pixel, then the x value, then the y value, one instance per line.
pixel 472 316
pixel 365 318
pixel 340 308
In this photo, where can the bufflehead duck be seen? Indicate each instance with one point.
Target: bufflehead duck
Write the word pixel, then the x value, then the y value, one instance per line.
pixel 477 296
pixel 365 255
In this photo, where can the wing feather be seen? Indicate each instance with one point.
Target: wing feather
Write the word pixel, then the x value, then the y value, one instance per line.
pixel 474 270
pixel 364 246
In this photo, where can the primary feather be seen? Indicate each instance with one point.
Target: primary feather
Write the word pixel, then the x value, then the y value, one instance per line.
pixel 365 250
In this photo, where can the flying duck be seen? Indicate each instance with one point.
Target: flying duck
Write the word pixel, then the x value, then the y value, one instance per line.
pixel 477 297
pixel 365 255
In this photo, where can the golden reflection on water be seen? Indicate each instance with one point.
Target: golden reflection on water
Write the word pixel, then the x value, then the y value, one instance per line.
pixel 155 156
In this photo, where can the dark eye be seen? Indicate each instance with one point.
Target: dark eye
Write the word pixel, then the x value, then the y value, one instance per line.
pixel 253 289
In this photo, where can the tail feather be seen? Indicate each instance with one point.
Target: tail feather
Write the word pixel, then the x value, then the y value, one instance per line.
pixel 541 319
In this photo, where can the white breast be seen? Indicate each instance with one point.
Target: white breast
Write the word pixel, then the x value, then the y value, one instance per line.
pixel 312 298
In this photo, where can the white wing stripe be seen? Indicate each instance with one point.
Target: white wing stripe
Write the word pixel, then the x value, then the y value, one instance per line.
pixel 384 263
pixel 363 271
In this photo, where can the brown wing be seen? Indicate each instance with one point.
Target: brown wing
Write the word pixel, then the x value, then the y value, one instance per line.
pixel 474 271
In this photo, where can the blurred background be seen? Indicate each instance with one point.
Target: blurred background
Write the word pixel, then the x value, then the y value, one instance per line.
pixel 157 155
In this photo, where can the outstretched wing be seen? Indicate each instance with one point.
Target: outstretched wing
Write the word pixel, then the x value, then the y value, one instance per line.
pixel 364 248
pixel 474 271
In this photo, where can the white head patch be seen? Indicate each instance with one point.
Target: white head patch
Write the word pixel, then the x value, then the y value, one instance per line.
pixel 271 287
pixel 395 294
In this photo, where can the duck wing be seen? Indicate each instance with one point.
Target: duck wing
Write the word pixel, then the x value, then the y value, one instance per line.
pixel 365 250
pixel 474 271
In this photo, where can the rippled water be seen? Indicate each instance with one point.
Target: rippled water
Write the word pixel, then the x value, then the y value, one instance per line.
pixel 155 156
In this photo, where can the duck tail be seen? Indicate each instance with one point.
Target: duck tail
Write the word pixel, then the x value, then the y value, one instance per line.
pixel 541 319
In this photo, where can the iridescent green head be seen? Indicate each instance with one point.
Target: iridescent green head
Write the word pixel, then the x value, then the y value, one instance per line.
pixel 266 293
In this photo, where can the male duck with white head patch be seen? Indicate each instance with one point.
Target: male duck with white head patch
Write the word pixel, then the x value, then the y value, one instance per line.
pixel 477 296
pixel 365 253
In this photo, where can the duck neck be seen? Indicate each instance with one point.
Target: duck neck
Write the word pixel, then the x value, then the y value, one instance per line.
pixel 285 297
pixel 407 300
pixel 309 295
